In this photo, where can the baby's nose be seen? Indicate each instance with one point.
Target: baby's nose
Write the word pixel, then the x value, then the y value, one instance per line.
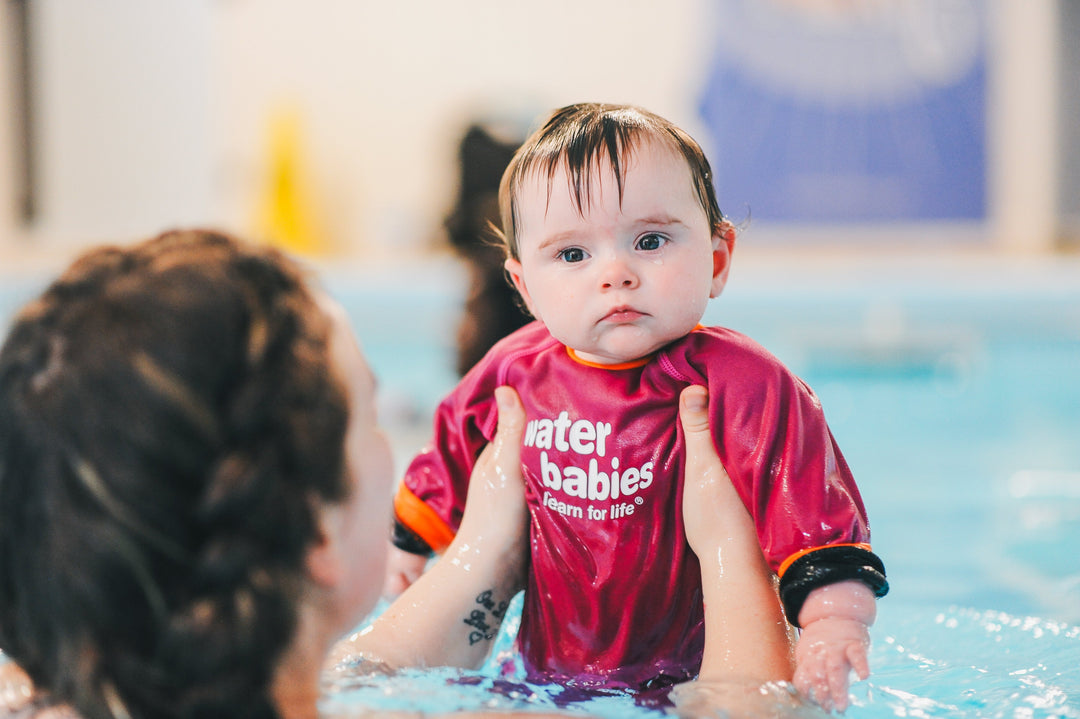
pixel 618 275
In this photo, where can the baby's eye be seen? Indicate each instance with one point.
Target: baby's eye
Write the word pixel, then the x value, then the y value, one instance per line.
pixel 651 241
pixel 571 254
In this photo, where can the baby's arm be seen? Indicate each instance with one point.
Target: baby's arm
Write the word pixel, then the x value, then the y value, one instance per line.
pixel 835 637
pixel 830 593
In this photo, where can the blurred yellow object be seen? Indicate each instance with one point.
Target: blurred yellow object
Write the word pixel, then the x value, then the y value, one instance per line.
pixel 286 214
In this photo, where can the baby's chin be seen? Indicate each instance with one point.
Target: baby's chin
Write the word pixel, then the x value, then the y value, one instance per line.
pixel 616 355
pixel 624 343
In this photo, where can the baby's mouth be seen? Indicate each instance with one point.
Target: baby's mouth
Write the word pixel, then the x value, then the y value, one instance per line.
pixel 621 315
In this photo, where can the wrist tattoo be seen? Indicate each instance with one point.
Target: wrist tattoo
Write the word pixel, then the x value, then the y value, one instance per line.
pixel 479 618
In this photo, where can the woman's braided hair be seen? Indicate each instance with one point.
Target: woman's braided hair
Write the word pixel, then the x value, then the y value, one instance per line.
pixel 168 428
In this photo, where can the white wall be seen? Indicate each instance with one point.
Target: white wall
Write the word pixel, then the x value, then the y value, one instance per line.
pixel 1023 133
pixel 1068 126
pixel 121 115
pixel 158 113
pixel 386 88
pixel 8 130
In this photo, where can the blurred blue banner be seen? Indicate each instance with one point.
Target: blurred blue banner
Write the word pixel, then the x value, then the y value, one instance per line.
pixel 834 111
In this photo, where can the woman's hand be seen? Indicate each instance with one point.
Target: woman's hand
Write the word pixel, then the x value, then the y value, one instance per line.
pixel 495 507
pixel 713 513
pixel 746 635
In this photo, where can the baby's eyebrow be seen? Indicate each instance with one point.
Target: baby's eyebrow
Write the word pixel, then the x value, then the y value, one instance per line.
pixel 662 220
pixel 559 238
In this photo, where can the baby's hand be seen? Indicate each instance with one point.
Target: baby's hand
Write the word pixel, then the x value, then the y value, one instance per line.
pixel 834 642
pixel 827 651
pixel 402 569
pixel 16 689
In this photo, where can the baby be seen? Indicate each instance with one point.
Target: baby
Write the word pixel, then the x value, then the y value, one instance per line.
pixel 616 243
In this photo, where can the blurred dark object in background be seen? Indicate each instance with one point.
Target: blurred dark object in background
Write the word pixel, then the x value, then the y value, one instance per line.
pixel 492 308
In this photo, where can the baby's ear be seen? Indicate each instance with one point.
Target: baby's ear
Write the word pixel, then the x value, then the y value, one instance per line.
pixel 517 276
pixel 723 244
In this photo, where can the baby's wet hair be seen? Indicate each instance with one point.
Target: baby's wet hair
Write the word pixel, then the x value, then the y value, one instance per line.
pixel 584 138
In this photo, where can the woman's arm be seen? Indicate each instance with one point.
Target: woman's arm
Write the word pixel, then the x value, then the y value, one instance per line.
pixel 748 643
pixel 747 638
pixel 452 614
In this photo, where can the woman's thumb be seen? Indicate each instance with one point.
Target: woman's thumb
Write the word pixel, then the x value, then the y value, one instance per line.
pixel 693 411
pixel 511 414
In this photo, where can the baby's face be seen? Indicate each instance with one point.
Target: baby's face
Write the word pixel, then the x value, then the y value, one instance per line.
pixel 618 281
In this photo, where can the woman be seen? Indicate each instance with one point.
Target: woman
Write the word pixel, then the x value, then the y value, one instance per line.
pixel 193 494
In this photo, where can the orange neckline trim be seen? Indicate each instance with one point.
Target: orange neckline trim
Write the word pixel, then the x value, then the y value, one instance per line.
pixel 641 362
pixel 598 365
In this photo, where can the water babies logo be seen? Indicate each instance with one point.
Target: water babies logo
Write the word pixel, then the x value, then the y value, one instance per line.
pixel 617 487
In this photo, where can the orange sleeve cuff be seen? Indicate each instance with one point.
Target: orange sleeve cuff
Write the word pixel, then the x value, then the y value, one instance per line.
pixel 803 552
pixel 422 519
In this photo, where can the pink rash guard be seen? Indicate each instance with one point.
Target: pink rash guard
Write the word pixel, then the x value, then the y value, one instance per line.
pixel 614 594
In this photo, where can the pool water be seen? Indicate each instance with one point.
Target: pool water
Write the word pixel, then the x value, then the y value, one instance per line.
pixel 958 408
pixel 955 663
pixel 957 405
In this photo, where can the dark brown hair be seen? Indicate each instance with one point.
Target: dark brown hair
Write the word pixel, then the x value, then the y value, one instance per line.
pixel 168 425
pixel 587 134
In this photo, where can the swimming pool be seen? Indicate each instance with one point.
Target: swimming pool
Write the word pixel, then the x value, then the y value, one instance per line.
pixel 954 392
pixel 953 389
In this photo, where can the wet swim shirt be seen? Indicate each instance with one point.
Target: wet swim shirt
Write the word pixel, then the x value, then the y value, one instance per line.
pixel 614 593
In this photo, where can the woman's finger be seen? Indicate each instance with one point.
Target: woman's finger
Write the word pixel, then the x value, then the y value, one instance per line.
pixel 511 416
pixel 496 487
pixel 710 503
pixel 504 451
pixel 693 413
pixel 703 468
